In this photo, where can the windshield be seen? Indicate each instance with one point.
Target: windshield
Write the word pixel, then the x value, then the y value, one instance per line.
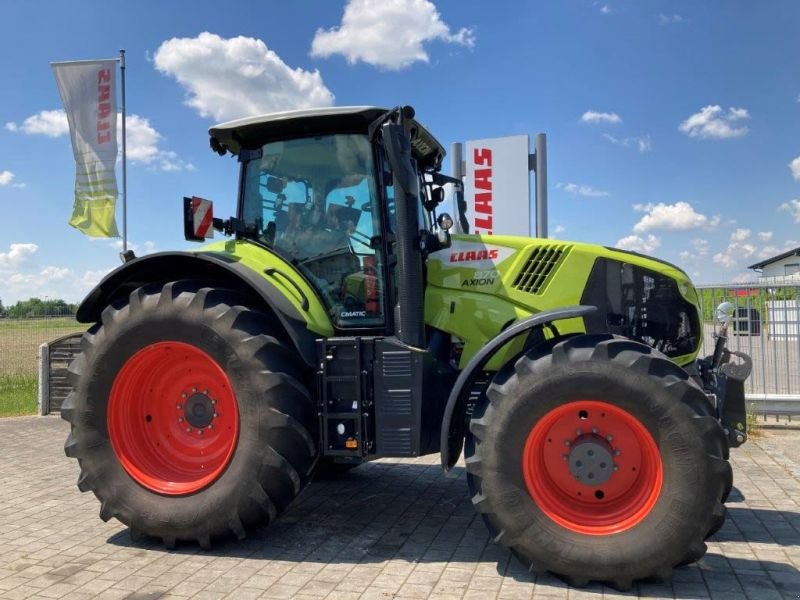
pixel 311 199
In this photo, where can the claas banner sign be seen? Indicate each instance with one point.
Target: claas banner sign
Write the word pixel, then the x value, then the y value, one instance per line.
pixel 497 186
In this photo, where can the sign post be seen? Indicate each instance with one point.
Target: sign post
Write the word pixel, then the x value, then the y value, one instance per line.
pixel 496 186
pixel 496 197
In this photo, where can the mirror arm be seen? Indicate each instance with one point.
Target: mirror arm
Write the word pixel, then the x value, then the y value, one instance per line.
pixel 440 179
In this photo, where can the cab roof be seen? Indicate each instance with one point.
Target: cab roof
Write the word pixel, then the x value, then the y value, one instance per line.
pixel 253 132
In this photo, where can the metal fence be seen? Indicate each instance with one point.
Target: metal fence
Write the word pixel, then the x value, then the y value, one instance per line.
pixel 766 326
pixel 19 347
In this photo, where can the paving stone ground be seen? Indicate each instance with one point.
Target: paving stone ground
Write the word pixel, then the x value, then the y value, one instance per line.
pixel 390 529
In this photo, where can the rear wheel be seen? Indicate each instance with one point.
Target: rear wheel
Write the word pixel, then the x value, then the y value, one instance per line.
pixel 598 459
pixel 189 418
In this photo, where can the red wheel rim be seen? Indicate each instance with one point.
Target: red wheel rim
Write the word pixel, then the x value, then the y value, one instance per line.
pixel 630 485
pixel 172 418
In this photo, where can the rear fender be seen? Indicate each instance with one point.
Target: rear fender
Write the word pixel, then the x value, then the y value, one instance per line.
pixel 215 270
pixel 453 430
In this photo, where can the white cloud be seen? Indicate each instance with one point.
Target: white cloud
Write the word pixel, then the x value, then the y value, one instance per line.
pixel 714 122
pixel 740 248
pixel 670 19
pixel 143 147
pixel 700 247
pixel 147 248
pixel 765 236
pixel 641 143
pixel 794 167
pixel 679 216
pixel 51 281
pixel 231 78
pixel 744 277
pixel 389 34
pixel 740 235
pixel 774 250
pixel 51 123
pixel 52 273
pixel 604 8
pixel 581 190
pixel 593 116
pixel 6 177
pixel 559 229
pixel 91 278
pixel 793 208
pixel 142 139
pixel 17 255
pixel 635 243
pixel 696 253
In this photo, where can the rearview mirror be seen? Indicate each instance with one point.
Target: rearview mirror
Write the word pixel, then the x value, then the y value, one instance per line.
pixel 445 222
pixel 724 313
pixel 198 217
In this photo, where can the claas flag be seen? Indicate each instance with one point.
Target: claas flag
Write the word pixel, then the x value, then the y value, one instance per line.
pixel 88 91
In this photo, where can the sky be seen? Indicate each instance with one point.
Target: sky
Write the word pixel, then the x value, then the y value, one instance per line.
pixel 673 126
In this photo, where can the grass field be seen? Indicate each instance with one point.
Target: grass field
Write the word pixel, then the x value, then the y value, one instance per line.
pixel 18 395
pixel 19 346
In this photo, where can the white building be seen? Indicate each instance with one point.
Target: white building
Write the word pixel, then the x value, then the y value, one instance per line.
pixel 783 306
pixel 781 268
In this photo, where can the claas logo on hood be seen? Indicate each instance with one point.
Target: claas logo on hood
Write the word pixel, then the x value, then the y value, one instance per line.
pixel 471 255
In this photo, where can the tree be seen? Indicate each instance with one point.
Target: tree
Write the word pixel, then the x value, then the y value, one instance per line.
pixel 36 307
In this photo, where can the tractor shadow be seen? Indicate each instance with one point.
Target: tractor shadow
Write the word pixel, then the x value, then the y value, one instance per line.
pixel 413 513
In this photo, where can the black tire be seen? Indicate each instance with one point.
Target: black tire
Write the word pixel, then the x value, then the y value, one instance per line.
pixel 274 453
pixel 654 391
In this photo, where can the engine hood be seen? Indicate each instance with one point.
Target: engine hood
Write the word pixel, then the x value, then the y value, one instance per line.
pixel 532 272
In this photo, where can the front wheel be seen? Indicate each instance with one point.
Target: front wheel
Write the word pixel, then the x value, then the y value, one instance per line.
pixel 189 418
pixel 598 459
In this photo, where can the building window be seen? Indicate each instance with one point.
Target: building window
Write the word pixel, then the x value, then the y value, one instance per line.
pixel 792 269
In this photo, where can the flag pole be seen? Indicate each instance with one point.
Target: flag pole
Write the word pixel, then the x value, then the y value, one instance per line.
pixel 124 159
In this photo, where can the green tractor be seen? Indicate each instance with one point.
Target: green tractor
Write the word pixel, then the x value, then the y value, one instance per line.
pixel 340 322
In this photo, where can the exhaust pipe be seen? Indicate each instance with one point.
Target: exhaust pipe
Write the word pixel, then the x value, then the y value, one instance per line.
pixel 409 311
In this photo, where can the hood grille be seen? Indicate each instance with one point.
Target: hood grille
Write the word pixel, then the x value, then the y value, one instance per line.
pixel 539 269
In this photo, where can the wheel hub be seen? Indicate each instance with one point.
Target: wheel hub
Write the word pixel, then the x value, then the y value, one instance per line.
pixel 591 461
pixel 173 418
pixel 592 467
pixel 199 410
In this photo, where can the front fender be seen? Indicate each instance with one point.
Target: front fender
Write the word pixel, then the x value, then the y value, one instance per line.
pixel 215 269
pixel 452 433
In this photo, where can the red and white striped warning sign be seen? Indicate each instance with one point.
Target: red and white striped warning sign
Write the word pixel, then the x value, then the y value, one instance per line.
pixel 202 217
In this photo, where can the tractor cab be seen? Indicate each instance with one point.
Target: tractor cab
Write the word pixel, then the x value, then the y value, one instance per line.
pixel 317 187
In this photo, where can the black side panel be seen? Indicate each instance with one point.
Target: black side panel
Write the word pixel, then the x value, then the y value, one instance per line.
pixel 211 269
pixel 344 392
pixel 398 376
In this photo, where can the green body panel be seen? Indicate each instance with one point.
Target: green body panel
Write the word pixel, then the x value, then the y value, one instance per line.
pixel 258 259
pixel 471 290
